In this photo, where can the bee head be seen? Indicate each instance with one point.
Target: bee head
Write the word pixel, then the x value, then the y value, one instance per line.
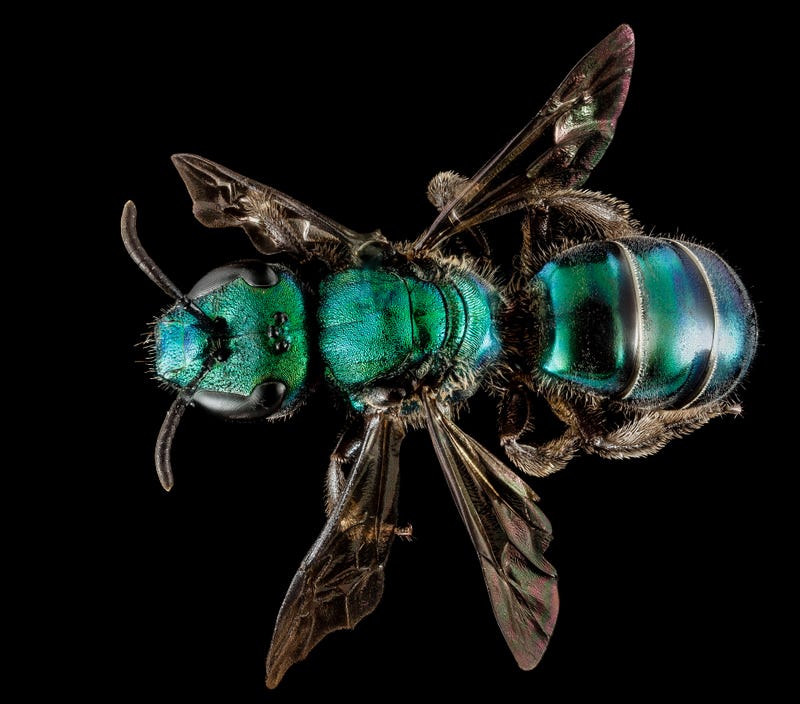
pixel 246 355
pixel 236 344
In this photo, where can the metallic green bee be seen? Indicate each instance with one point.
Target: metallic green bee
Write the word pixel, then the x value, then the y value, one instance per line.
pixel 632 340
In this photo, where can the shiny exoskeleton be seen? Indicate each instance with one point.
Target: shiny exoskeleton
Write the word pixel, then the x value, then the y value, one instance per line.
pixel 632 340
pixel 636 340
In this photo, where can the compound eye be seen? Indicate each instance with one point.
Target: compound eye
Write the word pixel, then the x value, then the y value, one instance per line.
pixel 264 401
pixel 255 273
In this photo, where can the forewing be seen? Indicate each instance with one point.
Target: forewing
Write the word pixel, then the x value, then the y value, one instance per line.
pixel 341 578
pixel 274 222
pixel 558 148
pixel 510 535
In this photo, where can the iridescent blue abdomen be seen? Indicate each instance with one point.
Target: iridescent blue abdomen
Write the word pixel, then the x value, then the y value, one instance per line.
pixel 377 325
pixel 651 321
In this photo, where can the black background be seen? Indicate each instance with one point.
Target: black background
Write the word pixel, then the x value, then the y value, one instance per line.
pixel 670 567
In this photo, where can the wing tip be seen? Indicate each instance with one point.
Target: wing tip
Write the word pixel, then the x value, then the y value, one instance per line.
pixel 624 31
pixel 185 160
pixel 273 678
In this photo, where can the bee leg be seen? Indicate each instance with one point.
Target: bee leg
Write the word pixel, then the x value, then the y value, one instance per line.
pixel 445 186
pixel 334 484
pixel 535 228
pixel 648 433
pixel 544 459
pixel 536 460
pixel 594 214
pixel 346 450
pixel 572 214
pixel 390 392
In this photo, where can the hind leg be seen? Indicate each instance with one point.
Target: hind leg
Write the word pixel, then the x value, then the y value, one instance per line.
pixel 537 460
pixel 567 214
pixel 644 434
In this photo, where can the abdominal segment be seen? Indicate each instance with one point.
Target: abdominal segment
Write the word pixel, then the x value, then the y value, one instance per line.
pixel 656 322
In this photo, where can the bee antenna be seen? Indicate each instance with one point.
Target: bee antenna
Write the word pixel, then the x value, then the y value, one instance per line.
pixel 133 245
pixel 165 437
pixel 170 425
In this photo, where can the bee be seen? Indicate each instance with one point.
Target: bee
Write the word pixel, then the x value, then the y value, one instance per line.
pixel 632 340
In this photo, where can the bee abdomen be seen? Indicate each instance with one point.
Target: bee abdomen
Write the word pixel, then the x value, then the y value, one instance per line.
pixel 655 322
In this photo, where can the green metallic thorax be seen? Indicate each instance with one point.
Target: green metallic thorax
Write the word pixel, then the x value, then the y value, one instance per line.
pixel 377 325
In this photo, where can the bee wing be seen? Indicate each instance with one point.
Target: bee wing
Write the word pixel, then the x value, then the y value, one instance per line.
pixel 341 578
pixel 274 222
pixel 571 133
pixel 510 535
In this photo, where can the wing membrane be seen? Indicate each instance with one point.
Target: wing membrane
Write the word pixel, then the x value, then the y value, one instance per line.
pixel 273 221
pixel 572 131
pixel 341 578
pixel 510 535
